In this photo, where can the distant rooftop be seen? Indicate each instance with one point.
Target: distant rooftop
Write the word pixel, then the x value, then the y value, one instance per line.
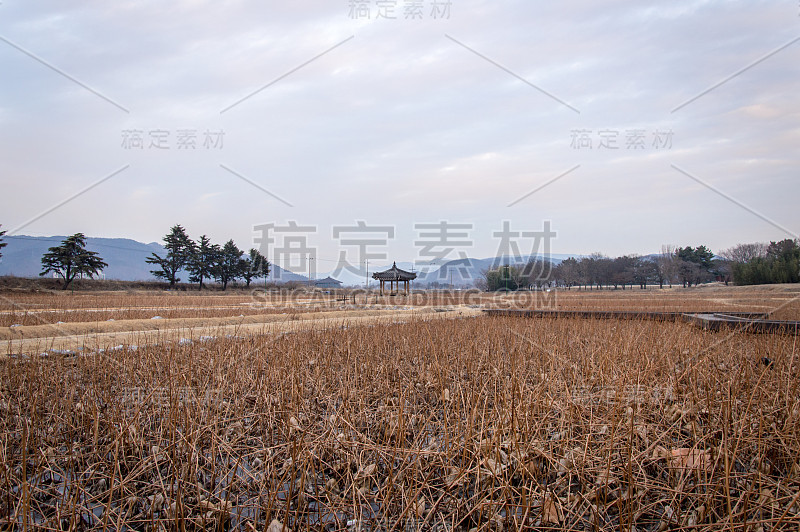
pixel 327 281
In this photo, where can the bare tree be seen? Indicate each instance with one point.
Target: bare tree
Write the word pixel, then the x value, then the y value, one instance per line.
pixel 518 277
pixel 640 271
pixel 744 253
pixel 603 268
pixel 538 272
pixel 667 265
pixel 586 271
pixel 568 272
pixel 481 282
pixel 596 269
pixel 648 272
pixel 620 271
pixel 689 272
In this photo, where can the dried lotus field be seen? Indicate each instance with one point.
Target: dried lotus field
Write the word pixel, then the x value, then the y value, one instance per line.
pixel 412 423
pixel 32 323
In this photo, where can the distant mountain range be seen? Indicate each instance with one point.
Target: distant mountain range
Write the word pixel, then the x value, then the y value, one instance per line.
pixel 126 261
pixel 22 257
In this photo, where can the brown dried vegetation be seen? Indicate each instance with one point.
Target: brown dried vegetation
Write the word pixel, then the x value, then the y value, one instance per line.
pixel 482 423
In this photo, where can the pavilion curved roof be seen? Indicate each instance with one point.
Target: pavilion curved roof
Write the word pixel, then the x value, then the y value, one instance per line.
pixel 394 274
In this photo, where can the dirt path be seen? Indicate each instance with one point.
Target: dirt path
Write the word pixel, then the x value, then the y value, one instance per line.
pixel 19 309
pixel 77 328
pixel 93 336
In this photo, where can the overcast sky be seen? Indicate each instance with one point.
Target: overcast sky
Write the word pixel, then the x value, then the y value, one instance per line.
pixel 310 111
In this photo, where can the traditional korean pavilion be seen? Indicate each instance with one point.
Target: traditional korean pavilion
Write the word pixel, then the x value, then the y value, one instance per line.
pixel 394 276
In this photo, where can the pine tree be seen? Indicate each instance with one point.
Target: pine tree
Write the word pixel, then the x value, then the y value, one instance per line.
pixel 230 265
pixel 71 259
pixel 255 266
pixel 180 249
pixel 203 261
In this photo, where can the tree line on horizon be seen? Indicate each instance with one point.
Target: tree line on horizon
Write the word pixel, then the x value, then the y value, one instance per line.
pixel 743 264
pixel 202 259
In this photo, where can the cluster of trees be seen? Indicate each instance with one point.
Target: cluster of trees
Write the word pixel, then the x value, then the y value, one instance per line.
pixel 205 261
pixel 202 259
pixel 759 263
pixel 505 278
pixel 688 266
